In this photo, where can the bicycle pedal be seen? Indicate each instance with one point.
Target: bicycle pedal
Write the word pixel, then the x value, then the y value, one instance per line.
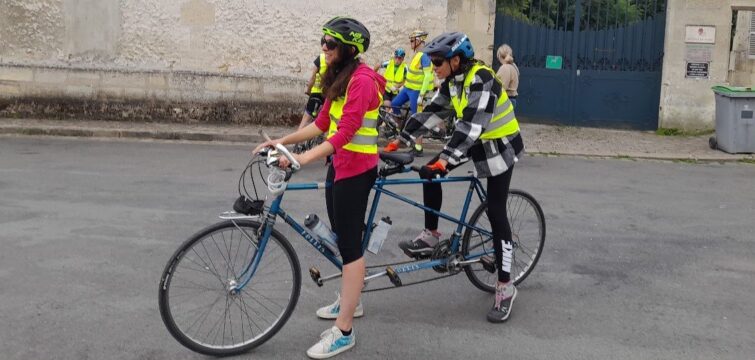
pixel 315 274
pixel 393 276
pixel 487 263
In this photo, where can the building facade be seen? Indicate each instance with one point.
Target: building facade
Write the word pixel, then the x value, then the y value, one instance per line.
pixel 248 60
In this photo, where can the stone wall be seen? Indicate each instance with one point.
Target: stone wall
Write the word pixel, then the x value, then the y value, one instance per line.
pixel 174 53
pixel 249 37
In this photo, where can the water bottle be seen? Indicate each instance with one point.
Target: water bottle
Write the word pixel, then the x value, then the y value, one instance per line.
pixel 322 232
pixel 379 234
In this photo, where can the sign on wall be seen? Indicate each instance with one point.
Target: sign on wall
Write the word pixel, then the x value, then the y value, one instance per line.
pixel 555 62
pixel 698 70
pixel 700 34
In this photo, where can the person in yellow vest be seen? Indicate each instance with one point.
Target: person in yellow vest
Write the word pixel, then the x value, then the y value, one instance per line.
pixel 314 90
pixel 419 80
pixel 486 131
pixel 395 75
pixel 353 96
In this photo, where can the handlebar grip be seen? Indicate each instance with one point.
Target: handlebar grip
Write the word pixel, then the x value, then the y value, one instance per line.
pixel 294 164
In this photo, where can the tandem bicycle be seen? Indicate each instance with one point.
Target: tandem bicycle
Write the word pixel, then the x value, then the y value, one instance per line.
pixel 233 285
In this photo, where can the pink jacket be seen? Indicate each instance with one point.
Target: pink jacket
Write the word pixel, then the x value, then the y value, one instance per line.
pixel 362 95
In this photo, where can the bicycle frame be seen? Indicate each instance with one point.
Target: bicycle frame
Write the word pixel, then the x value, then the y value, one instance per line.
pixel 475 186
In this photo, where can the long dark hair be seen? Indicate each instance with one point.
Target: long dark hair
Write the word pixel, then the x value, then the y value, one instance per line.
pixel 337 77
pixel 465 64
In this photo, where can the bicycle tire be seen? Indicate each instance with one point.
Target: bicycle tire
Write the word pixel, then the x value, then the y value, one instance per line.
pixel 170 309
pixel 386 129
pixel 535 239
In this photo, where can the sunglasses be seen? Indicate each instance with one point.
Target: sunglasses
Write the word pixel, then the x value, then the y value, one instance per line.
pixel 330 43
pixel 437 61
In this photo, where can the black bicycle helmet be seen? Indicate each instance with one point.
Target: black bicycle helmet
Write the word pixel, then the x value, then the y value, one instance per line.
pixel 348 31
pixel 450 44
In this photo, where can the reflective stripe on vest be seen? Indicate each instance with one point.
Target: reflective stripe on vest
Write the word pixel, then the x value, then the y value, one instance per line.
pixel 317 86
pixel 415 75
pixel 504 121
pixel 394 75
pixel 366 137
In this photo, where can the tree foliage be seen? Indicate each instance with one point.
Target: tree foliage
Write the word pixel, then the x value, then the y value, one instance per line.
pixel 594 14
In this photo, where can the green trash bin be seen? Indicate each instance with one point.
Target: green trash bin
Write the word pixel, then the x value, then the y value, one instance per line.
pixel 735 119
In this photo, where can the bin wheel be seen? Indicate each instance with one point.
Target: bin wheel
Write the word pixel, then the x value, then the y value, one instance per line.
pixel 713 143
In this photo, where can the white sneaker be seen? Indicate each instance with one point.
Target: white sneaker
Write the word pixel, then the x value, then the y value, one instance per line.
pixel 330 312
pixel 332 342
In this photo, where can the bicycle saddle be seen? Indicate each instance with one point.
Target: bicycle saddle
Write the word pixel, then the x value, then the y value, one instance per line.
pixel 401 158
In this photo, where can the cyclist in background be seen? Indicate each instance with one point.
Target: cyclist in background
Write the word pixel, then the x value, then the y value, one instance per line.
pixel 395 75
pixel 353 96
pixel 487 131
pixel 419 80
pixel 314 90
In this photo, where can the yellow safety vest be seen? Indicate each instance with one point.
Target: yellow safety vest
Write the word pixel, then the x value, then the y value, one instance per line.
pixel 415 75
pixel 394 76
pixel 504 122
pixel 317 86
pixel 366 137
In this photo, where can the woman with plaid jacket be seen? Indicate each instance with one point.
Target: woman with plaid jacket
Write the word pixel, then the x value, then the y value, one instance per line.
pixel 487 132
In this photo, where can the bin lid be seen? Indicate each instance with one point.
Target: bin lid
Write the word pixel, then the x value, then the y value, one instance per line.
pixel 735 91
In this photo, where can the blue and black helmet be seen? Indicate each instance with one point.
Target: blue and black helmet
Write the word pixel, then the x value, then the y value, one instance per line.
pixel 399 52
pixel 450 44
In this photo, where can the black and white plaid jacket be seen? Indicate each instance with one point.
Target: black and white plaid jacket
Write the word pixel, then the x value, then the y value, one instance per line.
pixel 491 157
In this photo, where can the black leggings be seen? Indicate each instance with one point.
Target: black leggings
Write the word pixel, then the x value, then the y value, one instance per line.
pixel 498 192
pixel 346 201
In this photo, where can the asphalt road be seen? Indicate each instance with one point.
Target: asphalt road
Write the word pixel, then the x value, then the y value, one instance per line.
pixel 643 259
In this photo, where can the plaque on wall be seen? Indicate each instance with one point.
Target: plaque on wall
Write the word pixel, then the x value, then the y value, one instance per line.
pixel 699 53
pixel 700 34
pixel 698 70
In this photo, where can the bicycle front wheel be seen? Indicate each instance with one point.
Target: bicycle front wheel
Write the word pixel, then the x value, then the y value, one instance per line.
pixel 528 238
pixel 196 303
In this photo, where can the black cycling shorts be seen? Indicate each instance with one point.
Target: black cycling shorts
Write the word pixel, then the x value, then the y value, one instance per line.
pixel 347 201
pixel 314 103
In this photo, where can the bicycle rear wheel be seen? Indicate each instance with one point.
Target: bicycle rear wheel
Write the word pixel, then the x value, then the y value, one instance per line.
pixel 195 302
pixel 387 126
pixel 528 238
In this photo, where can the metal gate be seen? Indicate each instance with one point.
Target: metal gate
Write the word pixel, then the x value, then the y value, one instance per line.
pixel 586 62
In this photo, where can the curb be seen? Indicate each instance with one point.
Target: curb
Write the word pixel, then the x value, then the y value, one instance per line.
pixel 129 134
pixel 247 139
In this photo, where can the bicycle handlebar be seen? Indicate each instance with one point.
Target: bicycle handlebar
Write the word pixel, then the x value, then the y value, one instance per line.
pixel 283 150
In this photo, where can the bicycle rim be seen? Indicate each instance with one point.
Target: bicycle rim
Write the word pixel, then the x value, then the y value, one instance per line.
pixel 528 238
pixel 197 306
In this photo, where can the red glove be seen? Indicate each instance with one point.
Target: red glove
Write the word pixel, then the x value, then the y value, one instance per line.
pixel 391 147
pixel 434 170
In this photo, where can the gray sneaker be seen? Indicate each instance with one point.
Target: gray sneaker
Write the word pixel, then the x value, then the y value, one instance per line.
pixel 504 300
pixel 422 246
